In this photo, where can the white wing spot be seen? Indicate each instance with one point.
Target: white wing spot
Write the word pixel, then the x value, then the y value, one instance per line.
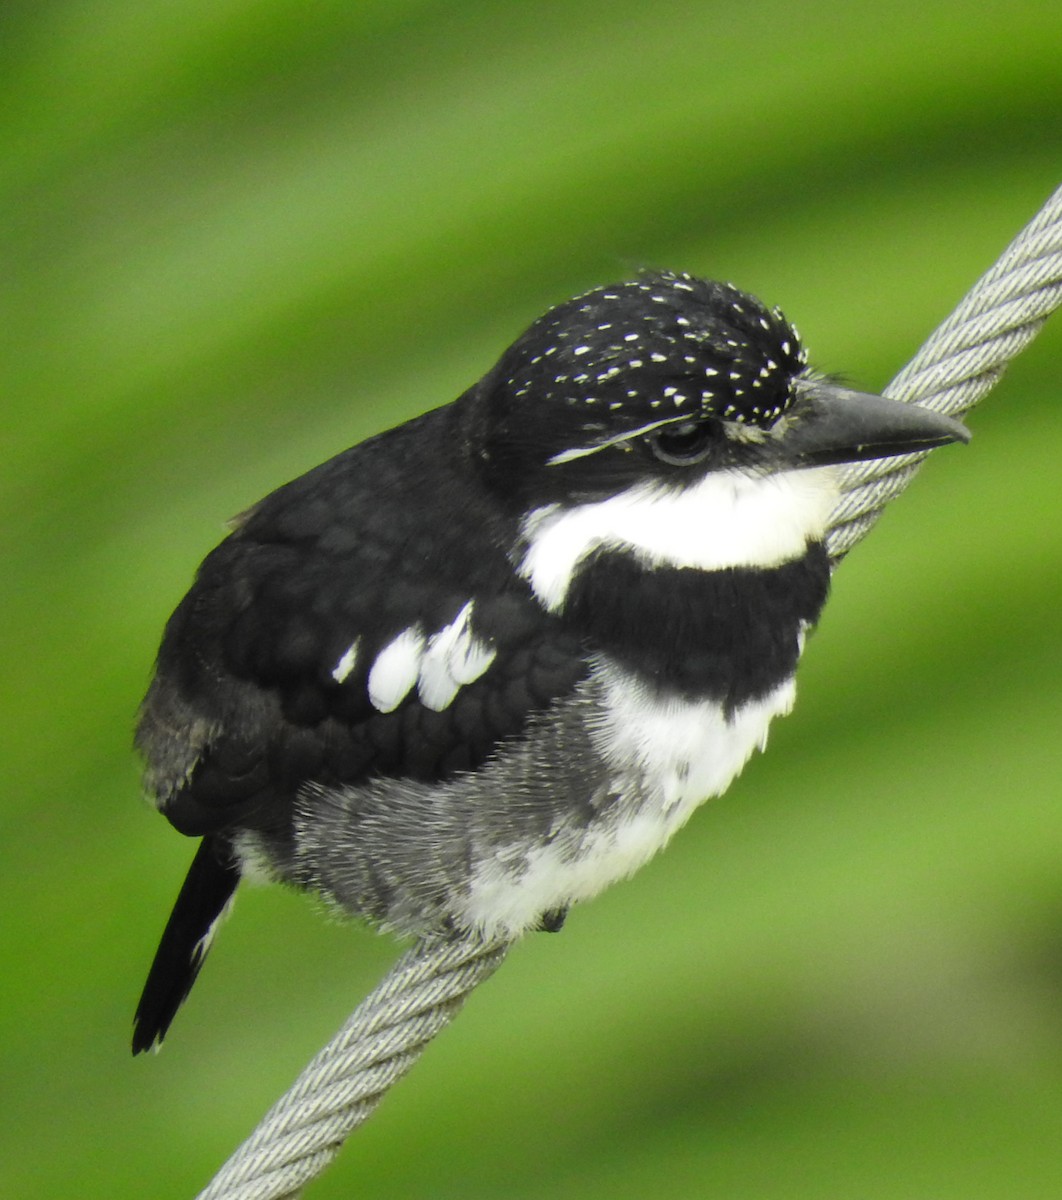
pixel 395 670
pixel 346 664
pixel 452 658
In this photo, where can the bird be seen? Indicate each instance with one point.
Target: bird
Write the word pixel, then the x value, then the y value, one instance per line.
pixel 478 667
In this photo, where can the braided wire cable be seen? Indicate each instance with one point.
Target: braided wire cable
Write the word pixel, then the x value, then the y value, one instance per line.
pixel 955 368
pixel 339 1089
pixel 961 361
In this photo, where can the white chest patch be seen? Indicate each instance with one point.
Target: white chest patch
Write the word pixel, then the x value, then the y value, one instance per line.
pixel 666 757
pixel 727 519
pixel 683 752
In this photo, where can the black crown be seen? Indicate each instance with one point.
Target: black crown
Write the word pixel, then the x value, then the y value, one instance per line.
pixel 664 346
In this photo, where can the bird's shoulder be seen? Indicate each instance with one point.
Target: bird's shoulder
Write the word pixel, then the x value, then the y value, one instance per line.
pixel 364 620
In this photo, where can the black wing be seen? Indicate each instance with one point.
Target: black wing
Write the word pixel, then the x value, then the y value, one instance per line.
pixel 271 674
pixel 265 678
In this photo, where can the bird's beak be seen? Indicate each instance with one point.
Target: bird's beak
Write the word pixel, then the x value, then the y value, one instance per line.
pixel 833 424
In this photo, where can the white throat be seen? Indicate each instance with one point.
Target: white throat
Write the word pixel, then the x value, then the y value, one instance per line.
pixel 728 519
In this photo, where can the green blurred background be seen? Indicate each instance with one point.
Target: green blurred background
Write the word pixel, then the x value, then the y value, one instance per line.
pixel 238 236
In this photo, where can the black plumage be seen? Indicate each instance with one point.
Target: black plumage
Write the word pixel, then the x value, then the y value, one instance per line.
pixel 416 679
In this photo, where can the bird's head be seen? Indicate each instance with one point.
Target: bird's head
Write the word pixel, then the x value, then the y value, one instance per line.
pixel 669 378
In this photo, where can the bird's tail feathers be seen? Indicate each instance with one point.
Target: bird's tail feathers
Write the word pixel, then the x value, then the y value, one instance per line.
pixel 204 900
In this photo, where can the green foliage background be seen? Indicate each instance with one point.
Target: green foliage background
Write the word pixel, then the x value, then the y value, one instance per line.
pixel 238 236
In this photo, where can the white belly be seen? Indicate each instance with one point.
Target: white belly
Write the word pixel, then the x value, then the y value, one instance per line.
pixel 665 757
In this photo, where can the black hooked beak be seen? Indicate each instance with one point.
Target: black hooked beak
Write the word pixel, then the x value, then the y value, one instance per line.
pixel 833 424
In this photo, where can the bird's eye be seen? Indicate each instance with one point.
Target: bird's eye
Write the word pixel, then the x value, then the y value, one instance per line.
pixel 682 445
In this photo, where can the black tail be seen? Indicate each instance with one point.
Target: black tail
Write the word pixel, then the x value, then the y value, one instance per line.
pixel 203 899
